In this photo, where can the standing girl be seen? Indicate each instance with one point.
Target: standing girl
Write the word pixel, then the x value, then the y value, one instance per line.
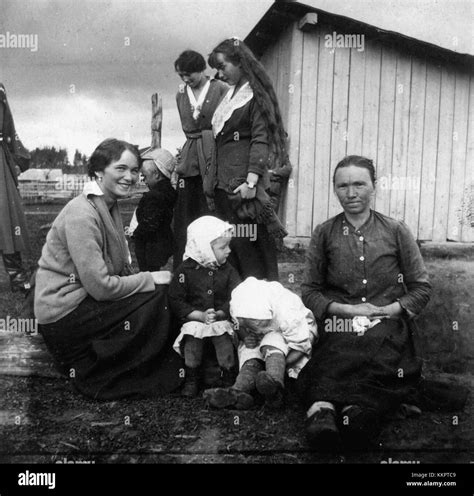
pixel 250 139
pixel 196 99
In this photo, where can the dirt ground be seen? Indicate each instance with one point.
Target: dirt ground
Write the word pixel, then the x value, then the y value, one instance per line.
pixel 44 420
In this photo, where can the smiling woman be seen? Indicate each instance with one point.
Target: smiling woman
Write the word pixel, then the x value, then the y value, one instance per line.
pixel 106 327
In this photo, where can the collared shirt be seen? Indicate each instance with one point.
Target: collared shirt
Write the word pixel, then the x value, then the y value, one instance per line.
pixel 378 263
pixel 92 188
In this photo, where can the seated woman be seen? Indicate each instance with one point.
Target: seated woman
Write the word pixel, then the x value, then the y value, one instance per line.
pixel 365 280
pixel 107 328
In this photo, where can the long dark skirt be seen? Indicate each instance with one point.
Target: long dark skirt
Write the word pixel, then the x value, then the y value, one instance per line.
pixel 118 349
pixel 253 254
pixel 190 204
pixel 378 370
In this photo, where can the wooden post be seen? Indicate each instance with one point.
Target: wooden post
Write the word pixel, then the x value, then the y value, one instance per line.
pixel 156 120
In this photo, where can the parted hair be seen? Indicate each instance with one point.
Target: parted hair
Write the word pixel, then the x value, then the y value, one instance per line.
pixel 237 52
pixel 358 161
pixel 190 61
pixel 109 150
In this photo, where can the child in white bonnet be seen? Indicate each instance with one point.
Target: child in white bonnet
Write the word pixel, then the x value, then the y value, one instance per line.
pixel 199 296
pixel 277 333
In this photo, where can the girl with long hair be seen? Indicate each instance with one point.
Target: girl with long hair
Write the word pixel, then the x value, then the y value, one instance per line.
pixel 250 140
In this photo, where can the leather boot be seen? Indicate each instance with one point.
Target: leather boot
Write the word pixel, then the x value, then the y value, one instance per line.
pixel 19 278
pixel 192 382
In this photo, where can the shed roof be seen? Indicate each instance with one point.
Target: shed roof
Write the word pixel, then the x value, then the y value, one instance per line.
pixel 284 12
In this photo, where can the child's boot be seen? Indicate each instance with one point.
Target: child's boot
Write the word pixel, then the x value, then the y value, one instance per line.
pixel 225 354
pixel 270 382
pixel 192 381
pixel 239 395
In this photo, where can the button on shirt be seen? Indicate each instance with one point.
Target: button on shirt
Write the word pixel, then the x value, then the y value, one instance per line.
pixel 352 266
pixel 197 288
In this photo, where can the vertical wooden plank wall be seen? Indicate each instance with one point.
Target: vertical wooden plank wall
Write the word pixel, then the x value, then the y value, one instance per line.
pixel 468 226
pixel 430 152
pixel 458 199
pixel 322 138
pixel 294 89
pixel 401 123
pixel 415 144
pixel 445 145
pixel 306 165
pixel 386 125
pixel 409 114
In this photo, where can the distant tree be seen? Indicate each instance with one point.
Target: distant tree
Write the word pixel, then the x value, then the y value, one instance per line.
pixel 49 158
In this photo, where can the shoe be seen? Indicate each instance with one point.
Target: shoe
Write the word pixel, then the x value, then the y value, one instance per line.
pixel 228 398
pixel 19 277
pixel 360 427
pixel 322 432
pixel 271 389
pixel 191 384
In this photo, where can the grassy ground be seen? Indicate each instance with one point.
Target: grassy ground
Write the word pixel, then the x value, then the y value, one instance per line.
pixel 44 420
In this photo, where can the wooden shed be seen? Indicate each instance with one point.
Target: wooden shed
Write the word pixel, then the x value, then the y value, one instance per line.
pixel 402 102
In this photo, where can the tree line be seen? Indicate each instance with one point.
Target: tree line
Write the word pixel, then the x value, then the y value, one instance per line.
pixel 50 157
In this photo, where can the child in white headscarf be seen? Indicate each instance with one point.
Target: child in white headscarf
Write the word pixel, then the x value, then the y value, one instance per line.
pixel 199 295
pixel 277 333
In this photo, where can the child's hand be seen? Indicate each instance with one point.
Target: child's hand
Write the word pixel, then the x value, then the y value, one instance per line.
pixel 210 316
pixel 251 340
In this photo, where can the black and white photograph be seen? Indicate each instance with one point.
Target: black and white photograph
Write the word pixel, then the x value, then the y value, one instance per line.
pixel 237 232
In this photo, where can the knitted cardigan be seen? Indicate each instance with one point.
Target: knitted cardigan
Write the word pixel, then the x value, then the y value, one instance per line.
pixel 75 263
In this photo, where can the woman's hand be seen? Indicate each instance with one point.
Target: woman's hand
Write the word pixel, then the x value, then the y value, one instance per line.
pixel 361 309
pixel 245 192
pixel 162 276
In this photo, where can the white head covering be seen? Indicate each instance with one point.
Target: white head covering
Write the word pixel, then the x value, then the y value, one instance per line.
pixel 253 299
pixel 201 233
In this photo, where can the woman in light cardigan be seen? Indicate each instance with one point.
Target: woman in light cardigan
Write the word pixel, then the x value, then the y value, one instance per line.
pixel 107 328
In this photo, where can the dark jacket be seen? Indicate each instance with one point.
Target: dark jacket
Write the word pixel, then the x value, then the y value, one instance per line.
pixel 195 287
pixel 155 213
pixel 242 146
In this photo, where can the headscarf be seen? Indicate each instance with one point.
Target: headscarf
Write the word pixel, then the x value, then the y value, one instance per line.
pixel 201 233
pixel 253 299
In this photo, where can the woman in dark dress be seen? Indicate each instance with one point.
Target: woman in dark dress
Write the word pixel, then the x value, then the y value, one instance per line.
pixel 13 229
pixel 197 100
pixel 107 328
pixel 365 280
pixel 250 140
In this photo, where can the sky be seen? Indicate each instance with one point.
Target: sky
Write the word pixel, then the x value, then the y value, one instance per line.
pixel 97 62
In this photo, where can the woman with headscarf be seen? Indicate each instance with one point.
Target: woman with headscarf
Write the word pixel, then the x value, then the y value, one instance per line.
pixel 107 327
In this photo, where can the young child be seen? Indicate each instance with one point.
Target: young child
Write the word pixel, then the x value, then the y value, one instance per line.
pixel 277 333
pixel 199 295
pixel 153 236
